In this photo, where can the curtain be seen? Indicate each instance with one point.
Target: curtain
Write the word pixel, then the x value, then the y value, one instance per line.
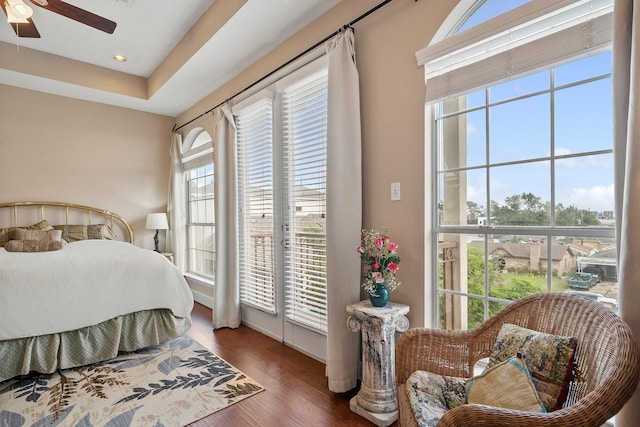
pixel 626 132
pixel 176 203
pixel 226 290
pixel 344 210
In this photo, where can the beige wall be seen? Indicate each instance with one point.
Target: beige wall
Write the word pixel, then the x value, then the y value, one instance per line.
pixel 392 98
pixel 55 148
pixel 117 158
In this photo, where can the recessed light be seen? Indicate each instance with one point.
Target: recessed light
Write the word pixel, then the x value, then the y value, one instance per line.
pixel 120 58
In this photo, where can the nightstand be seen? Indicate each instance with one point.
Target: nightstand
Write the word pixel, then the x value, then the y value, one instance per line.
pixel 168 255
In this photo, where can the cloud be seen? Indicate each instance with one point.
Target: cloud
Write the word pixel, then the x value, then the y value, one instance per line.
pixel 597 198
pixel 582 162
pixel 471 129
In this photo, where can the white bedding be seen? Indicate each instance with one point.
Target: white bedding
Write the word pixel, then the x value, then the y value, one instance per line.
pixel 85 283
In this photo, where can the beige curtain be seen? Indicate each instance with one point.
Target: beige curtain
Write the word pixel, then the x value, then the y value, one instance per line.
pixel 344 210
pixel 175 204
pixel 626 130
pixel 226 290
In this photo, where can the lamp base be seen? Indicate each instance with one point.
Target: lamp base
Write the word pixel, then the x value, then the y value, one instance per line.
pixel 155 241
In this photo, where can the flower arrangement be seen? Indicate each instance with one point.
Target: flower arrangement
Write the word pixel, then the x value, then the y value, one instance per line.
pixel 378 252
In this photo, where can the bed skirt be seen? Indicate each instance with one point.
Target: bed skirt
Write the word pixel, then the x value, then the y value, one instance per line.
pixel 48 353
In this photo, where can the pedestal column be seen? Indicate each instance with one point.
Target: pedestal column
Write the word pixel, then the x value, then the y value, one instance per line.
pixel 377 399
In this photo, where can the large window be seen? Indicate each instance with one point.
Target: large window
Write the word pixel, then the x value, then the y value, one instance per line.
pixel 198 164
pixel 523 174
pixel 282 135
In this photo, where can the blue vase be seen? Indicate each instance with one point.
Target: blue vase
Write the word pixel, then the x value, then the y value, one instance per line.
pixel 382 296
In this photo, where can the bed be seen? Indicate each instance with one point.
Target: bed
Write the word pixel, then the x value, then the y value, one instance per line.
pixel 74 290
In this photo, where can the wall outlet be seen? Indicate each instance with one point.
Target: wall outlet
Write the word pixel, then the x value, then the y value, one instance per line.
pixel 395 191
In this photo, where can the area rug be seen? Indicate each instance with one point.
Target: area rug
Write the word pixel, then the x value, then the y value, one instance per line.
pixel 172 384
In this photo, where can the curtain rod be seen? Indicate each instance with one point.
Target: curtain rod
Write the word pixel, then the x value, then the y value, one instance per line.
pixel 300 55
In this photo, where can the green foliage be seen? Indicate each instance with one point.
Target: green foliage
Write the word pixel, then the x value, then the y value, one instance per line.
pixel 511 290
pixel 526 209
pixel 571 215
pixel 474 211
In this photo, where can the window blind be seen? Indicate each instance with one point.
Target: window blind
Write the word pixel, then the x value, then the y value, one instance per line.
pixel 255 191
pixel 304 129
pixel 533 36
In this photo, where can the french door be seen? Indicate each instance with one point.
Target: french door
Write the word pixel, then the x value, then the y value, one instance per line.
pixel 282 140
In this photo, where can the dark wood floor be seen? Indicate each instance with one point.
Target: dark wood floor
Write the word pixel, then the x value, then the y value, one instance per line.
pixel 296 391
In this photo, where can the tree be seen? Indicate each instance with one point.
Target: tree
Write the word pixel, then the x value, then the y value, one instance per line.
pixel 474 211
pixel 572 216
pixel 512 291
pixel 521 209
pixel 527 209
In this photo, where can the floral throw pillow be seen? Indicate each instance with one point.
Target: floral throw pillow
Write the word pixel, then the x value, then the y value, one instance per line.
pixel 549 359
pixel 505 385
pixel 431 395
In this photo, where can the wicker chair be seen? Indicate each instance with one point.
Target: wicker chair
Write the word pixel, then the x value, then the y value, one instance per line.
pixel 607 356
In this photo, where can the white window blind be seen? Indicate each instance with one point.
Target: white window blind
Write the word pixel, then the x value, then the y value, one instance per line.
pixel 533 36
pixel 304 129
pixel 255 192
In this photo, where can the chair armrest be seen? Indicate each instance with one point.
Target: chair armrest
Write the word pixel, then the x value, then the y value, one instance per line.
pixel 473 415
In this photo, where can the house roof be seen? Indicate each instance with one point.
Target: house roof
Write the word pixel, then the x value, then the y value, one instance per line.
pixel 523 250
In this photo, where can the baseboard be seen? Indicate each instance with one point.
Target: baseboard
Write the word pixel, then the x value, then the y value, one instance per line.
pixel 257 328
pixel 203 299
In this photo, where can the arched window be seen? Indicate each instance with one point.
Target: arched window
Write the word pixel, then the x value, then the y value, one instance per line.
pixel 197 158
pixel 519 102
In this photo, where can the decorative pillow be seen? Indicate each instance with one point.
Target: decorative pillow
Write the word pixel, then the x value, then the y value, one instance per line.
pixel 42 225
pixel 505 385
pixel 549 359
pixel 76 232
pixel 431 395
pixel 7 234
pixel 34 245
pixel 36 234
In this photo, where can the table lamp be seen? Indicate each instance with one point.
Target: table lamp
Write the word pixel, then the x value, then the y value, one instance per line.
pixel 157 221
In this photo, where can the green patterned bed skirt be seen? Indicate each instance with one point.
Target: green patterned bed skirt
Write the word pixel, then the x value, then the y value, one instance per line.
pixel 48 353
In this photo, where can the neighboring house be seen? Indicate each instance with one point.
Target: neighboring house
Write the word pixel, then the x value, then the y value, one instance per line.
pixel 533 256
pixel 604 260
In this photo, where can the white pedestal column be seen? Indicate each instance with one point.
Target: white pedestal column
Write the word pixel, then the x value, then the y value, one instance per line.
pixel 377 399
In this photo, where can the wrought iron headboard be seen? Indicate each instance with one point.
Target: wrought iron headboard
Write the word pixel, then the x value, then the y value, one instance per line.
pixel 68 208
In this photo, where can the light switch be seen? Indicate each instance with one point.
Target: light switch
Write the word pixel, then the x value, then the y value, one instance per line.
pixel 395 191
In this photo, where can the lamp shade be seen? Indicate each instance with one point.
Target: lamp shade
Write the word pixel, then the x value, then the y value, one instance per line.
pixel 157 221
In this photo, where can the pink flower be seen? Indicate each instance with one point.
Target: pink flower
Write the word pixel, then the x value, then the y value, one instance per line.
pixel 379 243
pixel 393 246
pixel 377 277
pixel 375 265
pixel 360 249
pixel 392 267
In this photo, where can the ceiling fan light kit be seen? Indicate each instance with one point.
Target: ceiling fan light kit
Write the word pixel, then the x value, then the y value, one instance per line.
pixel 17 11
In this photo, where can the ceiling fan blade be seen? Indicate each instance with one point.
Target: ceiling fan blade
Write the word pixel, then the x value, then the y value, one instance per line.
pixel 80 15
pixel 27 30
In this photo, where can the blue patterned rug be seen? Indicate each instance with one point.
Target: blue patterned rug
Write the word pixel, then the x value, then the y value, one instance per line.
pixel 172 384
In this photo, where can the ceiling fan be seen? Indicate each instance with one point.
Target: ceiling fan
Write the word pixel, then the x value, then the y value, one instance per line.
pixel 19 16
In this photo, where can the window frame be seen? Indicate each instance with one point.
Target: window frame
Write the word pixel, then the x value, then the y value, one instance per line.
pixel 433 182
pixel 197 157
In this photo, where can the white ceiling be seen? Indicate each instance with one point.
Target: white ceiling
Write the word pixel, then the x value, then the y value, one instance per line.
pixel 147 31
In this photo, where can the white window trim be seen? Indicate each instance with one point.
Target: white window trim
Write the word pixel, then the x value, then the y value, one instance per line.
pixel 532 36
